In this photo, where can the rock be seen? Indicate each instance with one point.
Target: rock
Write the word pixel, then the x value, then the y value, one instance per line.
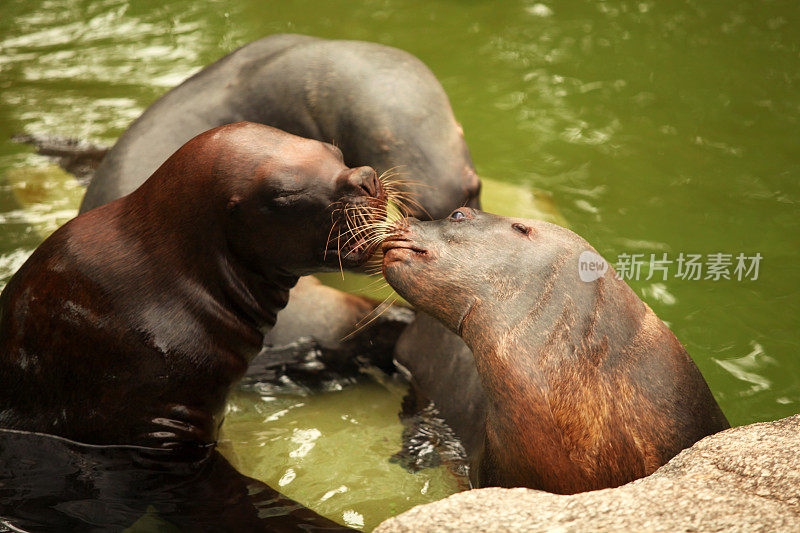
pixel 742 479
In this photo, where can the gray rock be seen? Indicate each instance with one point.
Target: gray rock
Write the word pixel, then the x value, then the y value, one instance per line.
pixel 742 479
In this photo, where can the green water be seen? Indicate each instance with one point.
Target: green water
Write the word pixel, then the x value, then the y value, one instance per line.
pixel 656 127
pixel 331 451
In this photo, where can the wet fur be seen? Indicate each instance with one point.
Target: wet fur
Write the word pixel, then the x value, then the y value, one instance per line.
pixel 131 322
pixel 586 388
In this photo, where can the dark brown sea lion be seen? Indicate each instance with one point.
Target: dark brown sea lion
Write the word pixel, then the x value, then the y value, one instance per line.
pixel 586 388
pixel 381 106
pixel 130 323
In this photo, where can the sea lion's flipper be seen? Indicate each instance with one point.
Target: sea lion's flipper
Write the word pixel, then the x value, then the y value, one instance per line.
pixel 77 156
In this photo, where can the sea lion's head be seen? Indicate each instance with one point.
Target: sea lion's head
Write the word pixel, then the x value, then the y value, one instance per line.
pixel 471 259
pixel 289 202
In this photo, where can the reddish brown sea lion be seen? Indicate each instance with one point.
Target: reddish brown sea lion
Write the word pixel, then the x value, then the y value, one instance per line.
pixel 586 388
pixel 130 324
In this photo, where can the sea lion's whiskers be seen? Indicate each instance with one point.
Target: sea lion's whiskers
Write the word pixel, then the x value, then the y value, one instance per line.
pixel 373 263
pixel 328 240
pixel 364 226
pixel 368 223
pixel 393 211
pixel 395 192
pixel 380 231
pixel 374 269
pixel 383 225
pixel 389 181
pixel 368 241
pixel 382 306
pixel 359 229
pixel 334 204
pixel 356 230
pixel 402 202
pixel 390 172
pixel 367 291
pixel 377 231
pixel 349 228
pixel 402 199
pixel 418 205
pixel 355 221
pixel 414 183
pixel 374 284
pixel 337 225
pixel 375 272
pixel 339 251
pixel 386 178
pixel 408 183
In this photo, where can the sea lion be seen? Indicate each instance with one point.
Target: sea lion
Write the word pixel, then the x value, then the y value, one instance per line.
pixel 131 322
pixel 586 388
pixel 376 103
pixel 381 106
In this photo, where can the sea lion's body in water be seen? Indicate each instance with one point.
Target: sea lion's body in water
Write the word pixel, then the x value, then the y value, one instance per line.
pixel 128 326
pixel 585 387
pixel 381 106
pixel 131 322
pixel 49 483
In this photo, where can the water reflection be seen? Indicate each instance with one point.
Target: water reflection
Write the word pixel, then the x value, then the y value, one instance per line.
pixel 750 369
pixel 53 484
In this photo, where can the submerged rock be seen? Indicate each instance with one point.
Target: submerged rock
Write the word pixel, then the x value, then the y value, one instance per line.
pixel 428 442
pixel 742 479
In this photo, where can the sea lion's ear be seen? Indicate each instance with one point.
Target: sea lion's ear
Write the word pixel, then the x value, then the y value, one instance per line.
pixel 522 228
pixel 235 202
pixel 336 150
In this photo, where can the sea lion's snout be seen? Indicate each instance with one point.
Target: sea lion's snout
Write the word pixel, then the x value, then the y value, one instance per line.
pixel 409 238
pixel 422 262
pixel 361 182
pixel 402 242
pixel 357 214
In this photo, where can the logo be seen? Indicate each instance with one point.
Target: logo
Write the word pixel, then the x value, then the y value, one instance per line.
pixel 591 266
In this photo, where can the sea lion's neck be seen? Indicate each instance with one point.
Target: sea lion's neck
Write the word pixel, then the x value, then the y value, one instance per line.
pixel 534 361
pixel 194 237
pixel 256 297
pixel 203 313
pixel 189 257
pixel 554 321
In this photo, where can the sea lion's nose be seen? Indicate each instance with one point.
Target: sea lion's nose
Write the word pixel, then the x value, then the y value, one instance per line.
pixel 363 178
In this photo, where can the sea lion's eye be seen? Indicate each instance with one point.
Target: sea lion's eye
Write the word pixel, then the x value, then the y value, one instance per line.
pixel 522 228
pixel 457 215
